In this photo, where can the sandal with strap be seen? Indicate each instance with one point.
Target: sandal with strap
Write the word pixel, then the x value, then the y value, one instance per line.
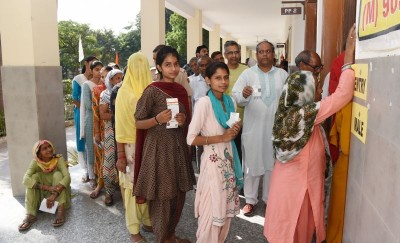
pixel 142 240
pixel 27 222
pixel 95 194
pixel 148 229
pixel 248 210
pixel 60 217
pixel 108 201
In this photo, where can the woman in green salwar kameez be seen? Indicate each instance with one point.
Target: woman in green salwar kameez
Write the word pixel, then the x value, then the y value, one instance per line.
pixel 47 177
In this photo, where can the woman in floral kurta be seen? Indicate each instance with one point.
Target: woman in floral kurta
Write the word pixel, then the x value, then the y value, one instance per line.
pixel 217 198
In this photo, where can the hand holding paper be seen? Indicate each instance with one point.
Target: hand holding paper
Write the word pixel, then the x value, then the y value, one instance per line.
pixel 180 118
pixel 164 116
pixel 233 119
pixel 247 91
pixel 173 106
pixel 44 207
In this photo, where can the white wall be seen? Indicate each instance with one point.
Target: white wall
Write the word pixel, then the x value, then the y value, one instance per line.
pixel 298 36
pixel 320 20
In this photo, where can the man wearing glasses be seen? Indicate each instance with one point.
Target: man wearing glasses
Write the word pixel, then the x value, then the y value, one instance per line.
pixel 258 89
pixel 310 61
pixel 232 55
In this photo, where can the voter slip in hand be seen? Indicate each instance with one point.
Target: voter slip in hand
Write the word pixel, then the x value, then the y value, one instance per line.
pixel 233 119
pixel 256 91
pixel 173 105
pixel 43 207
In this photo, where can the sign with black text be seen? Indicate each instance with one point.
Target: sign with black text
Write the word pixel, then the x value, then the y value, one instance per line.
pixel 291 11
pixel 361 83
pixel 359 121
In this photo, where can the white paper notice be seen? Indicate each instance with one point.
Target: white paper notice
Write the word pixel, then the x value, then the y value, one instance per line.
pixel 173 105
pixel 233 119
pixel 256 91
pixel 44 208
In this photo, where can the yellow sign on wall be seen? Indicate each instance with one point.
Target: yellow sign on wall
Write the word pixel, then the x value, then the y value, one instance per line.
pixel 359 121
pixel 361 82
pixel 378 17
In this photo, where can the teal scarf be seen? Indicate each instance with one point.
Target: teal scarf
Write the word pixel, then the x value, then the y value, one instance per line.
pixel 222 118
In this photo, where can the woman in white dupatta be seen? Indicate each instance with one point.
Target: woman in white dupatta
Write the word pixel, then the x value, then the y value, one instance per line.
pixel 86 123
pixel 77 83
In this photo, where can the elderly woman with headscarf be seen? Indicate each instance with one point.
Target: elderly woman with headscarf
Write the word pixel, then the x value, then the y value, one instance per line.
pixel 47 177
pixel 295 207
pixel 136 79
pixel 110 174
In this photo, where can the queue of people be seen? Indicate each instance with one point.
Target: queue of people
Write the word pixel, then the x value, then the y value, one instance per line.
pixel 258 123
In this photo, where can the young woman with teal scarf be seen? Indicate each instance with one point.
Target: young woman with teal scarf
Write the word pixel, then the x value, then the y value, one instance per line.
pixel 221 174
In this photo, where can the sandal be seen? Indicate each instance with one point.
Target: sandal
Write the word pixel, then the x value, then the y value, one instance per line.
pixel 93 184
pixel 142 240
pixel 248 210
pixel 27 222
pixel 179 240
pixel 147 228
pixel 95 194
pixel 108 201
pixel 60 217
pixel 85 179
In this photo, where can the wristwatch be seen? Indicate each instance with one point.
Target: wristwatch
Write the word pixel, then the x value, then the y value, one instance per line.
pixel 159 123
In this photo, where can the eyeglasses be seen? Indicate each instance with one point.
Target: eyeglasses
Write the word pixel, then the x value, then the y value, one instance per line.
pixel 230 53
pixel 261 52
pixel 316 67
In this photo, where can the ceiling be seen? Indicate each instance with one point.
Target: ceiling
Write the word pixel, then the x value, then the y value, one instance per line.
pixel 248 21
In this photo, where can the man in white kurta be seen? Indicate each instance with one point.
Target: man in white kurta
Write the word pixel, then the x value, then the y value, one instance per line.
pixel 258 89
pixel 198 84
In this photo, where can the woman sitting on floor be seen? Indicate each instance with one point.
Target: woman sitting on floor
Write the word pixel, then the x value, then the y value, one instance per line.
pixel 47 177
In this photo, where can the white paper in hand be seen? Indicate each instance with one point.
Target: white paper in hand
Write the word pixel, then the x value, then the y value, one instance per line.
pixel 233 119
pixel 173 105
pixel 256 91
pixel 44 208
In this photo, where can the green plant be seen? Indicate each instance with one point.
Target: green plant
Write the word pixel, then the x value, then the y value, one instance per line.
pixel 2 124
pixel 67 91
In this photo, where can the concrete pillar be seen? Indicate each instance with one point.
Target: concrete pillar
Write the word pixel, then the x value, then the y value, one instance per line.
pixel 194 33
pixel 152 15
pixel 215 35
pixel 243 54
pixel 32 82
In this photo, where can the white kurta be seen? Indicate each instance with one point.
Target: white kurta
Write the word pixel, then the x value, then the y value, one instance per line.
pixel 259 115
pixel 199 88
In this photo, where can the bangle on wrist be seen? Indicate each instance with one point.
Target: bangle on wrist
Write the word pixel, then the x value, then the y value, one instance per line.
pixel 349 63
pixel 159 123
pixel 207 140
pixel 122 157
pixel 348 66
